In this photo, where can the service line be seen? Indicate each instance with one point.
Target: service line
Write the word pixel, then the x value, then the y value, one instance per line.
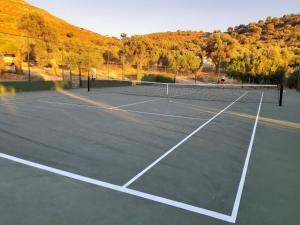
pixel 180 143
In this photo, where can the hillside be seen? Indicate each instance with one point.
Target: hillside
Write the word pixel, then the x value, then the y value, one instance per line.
pixel 12 10
pixel 256 51
pixel 285 29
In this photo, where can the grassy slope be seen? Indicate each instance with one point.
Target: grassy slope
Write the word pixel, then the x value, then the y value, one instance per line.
pixel 12 10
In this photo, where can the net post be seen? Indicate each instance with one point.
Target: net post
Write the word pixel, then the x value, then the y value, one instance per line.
pixel 280 94
pixel 88 83
pixel 167 89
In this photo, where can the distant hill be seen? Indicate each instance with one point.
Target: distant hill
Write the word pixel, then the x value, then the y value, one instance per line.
pixel 285 29
pixel 12 10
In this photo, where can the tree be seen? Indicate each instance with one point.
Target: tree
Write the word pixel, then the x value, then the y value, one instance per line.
pixel 190 61
pixel 266 62
pixel 40 34
pixel 256 30
pixel 72 61
pixel 229 30
pixel 138 50
pixel 173 59
pixel 221 47
pixel 270 28
pixel 155 53
pixel 111 53
pixel 237 69
pixel 92 58
pixel 269 19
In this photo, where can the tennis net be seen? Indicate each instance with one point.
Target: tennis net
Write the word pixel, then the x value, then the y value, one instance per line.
pixel 207 92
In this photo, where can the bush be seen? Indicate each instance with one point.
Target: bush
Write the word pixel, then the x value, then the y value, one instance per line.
pixel 158 78
pixel 293 80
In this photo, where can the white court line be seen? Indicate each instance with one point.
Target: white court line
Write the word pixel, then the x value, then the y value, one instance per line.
pixel 123 110
pixel 135 103
pixel 243 177
pixel 180 143
pixel 118 188
pixel 161 114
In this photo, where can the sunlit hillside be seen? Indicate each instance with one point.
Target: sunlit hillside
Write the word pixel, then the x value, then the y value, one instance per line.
pixel 285 30
pixel 12 10
pixel 262 51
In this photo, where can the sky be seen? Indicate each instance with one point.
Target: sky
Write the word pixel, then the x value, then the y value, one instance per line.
pixel 113 17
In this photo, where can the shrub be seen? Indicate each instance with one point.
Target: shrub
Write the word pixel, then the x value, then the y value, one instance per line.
pixel 293 80
pixel 158 78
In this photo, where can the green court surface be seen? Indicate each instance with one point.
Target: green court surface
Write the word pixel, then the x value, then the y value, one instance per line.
pixel 73 157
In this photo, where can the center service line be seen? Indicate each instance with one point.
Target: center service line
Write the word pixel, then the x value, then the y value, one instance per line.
pixel 180 143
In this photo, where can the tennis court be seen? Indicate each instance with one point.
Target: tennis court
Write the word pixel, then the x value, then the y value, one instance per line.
pixel 147 154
